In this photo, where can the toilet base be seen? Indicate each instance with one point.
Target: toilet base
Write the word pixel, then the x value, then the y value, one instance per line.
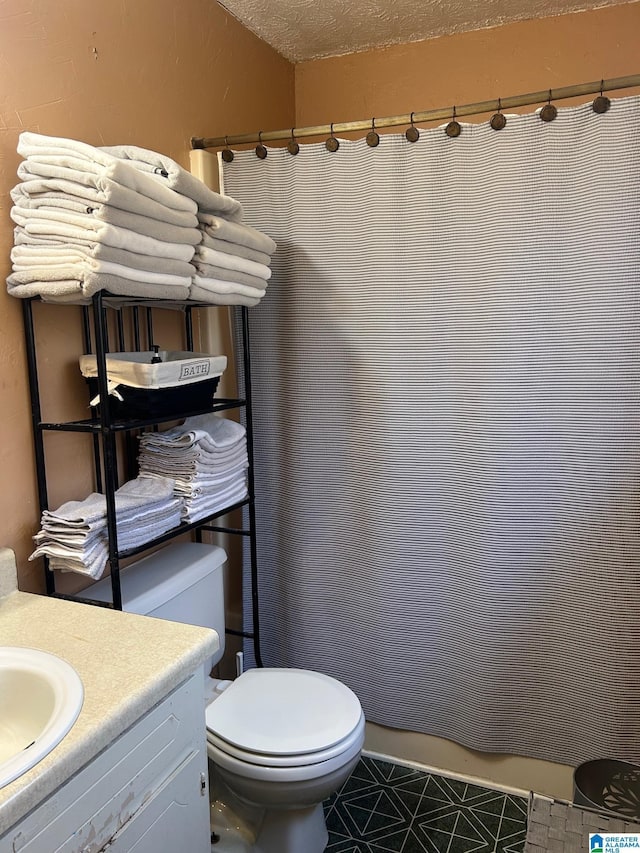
pixel 292 831
pixel 247 828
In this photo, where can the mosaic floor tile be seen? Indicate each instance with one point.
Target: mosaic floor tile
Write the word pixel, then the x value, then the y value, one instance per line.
pixel 390 808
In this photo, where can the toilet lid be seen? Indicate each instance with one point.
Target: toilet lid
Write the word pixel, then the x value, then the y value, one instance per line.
pixel 284 712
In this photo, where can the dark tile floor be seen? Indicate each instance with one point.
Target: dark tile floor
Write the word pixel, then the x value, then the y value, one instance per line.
pixel 390 808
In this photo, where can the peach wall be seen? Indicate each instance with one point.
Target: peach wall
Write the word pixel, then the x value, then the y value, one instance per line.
pixel 469 67
pixel 146 73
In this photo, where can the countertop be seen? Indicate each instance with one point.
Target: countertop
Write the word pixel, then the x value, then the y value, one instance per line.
pixel 127 664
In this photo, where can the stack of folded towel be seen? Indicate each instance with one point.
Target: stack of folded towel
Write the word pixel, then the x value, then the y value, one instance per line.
pixel 232 262
pixel 119 219
pixel 74 536
pixel 207 459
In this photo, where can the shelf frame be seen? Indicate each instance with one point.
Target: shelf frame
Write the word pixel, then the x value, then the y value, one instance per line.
pixel 104 430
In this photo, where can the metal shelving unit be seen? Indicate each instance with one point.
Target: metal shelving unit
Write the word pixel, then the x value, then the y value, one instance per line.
pixel 104 431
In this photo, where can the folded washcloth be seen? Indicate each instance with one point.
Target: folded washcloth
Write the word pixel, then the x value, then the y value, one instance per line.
pixel 229 287
pixel 38 206
pixel 204 506
pixel 218 432
pixel 32 252
pixel 222 274
pixel 133 534
pixel 235 249
pixel 128 523
pixel 231 262
pixel 154 461
pixel 192 472
pixel 78 291
pixel 67 226
pixel 167 170
pixel 86 514
pixel 62 156
pixel 74 535
pixel 206 485
pixel 92 562
pixel 209 297
pixel 108 193
pixel 141 491
pixel 235 232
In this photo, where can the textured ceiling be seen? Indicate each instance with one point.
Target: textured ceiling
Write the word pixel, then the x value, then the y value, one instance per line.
pixel 310 29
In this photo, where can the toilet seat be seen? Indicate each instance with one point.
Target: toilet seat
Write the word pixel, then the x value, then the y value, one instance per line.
pixel 287 723
pixel 299 760
pixel 249 768
pixel 255 713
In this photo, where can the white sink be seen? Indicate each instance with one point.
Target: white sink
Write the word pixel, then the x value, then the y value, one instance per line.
pixel 40 698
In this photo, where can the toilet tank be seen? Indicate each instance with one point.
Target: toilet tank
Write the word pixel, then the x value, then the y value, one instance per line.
pixel 182 582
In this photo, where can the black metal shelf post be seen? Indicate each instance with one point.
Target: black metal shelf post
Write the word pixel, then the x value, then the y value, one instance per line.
pixel 104 430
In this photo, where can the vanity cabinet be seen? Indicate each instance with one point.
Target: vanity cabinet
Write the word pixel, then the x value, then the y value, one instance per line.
pixel 147 792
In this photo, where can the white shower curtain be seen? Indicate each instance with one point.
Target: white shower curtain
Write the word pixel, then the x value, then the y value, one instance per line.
pixel 446 384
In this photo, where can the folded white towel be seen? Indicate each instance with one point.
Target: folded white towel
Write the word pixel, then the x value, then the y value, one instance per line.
pixel 167 170
pixel 79 291
pixel 67 226
pixel 222 274
pixel 235 249
pixel 229 287
pixel 235 232
pixel 231 262
pixel 69 169
pixel 30 205
pixel 208 297
pixel 62 272
pixel 75 156
pixel 108 193
pixel 31 252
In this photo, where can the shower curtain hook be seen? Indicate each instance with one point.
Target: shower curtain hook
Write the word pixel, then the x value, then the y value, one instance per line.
pixel 412 133
pixel 261 151
pixel 601 104
pixel 372 137
pixel 292 145
pixel 549 111
pixel 227 154
pixel 498 120
pixel 454 128
pixel 332 143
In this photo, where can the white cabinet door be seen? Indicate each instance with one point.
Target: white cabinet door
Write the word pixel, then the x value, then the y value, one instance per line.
pixel 170 821
pixel 149 784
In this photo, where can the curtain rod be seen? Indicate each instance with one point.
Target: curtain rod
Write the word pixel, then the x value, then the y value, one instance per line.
pixel 419 117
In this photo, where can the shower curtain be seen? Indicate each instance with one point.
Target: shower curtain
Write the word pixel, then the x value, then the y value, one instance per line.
pixel 446 398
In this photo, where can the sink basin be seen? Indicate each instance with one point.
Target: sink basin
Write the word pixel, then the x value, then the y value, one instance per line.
pixel 40 698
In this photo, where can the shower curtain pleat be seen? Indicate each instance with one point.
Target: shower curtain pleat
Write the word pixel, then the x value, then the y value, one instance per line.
pixel 446 398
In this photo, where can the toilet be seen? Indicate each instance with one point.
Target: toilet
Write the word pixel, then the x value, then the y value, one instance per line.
pixel 280 740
